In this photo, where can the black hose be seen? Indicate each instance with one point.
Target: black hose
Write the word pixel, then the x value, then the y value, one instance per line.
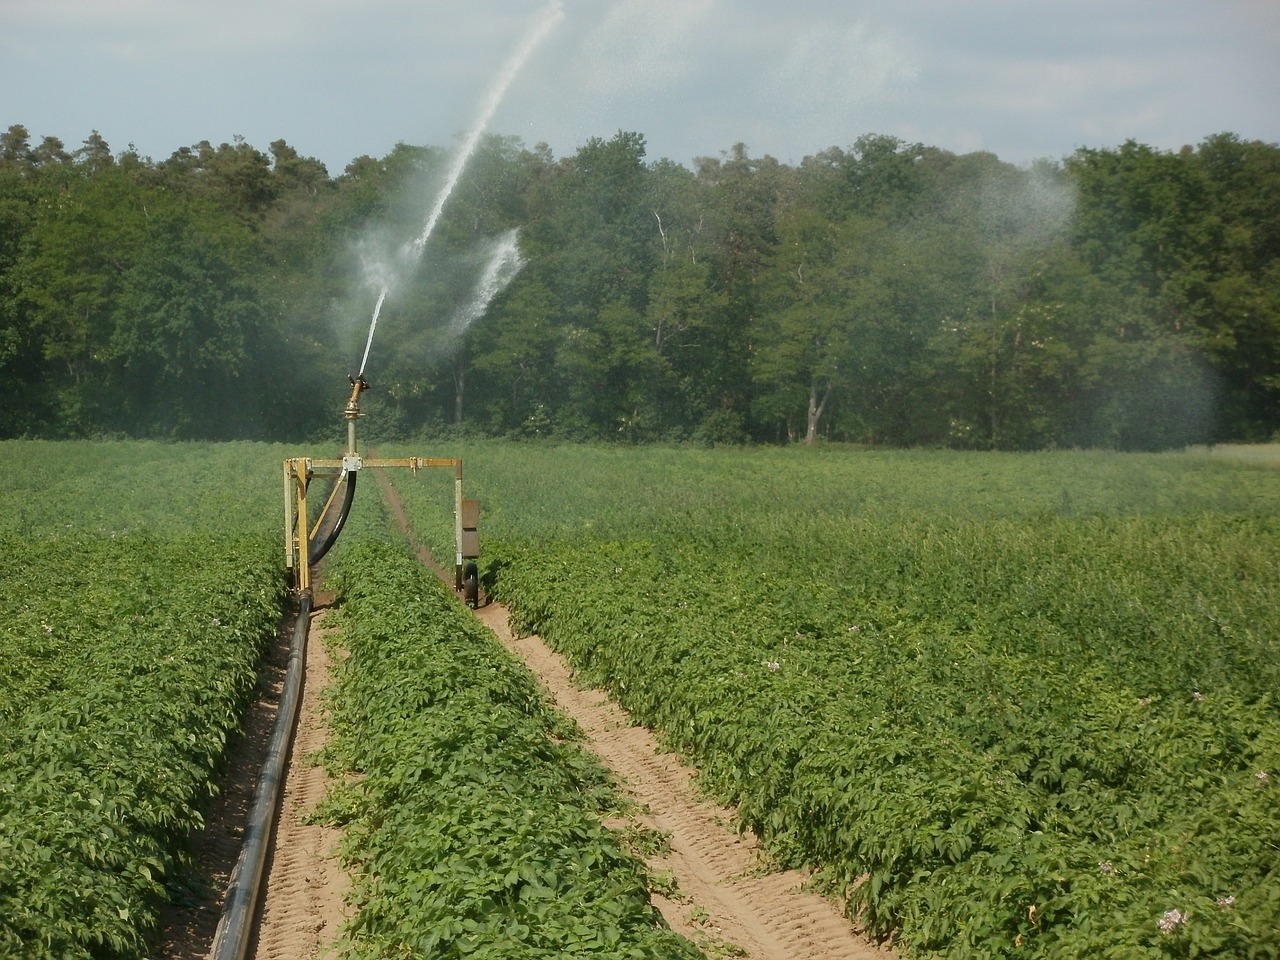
pixel 318 550
pixel 235 926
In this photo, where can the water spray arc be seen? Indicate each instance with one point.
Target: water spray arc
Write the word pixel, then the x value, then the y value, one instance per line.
pixel 306 544
pixel 503 264
pixel 373 325
pixel 412 252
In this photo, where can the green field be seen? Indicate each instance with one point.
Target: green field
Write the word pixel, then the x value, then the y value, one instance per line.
pixel 474 824
pixel 140 586
pixel 1006 705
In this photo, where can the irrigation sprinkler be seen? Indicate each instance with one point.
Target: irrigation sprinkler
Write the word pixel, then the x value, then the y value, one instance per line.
pixel 306 543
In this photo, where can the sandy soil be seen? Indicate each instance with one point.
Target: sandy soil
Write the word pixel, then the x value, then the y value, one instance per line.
pixel 303 906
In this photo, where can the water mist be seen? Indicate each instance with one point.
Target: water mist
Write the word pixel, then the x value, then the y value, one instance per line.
pixel 552 14
pixel 504 262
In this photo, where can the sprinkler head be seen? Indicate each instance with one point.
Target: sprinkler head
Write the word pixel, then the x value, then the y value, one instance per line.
pixel 358 386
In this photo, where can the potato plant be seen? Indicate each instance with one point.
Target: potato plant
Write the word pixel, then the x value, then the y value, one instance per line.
pixel 127 664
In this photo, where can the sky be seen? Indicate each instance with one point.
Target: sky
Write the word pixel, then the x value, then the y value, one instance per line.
pixel 340 79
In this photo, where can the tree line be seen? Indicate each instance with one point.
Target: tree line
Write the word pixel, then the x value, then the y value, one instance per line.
pixel 885 293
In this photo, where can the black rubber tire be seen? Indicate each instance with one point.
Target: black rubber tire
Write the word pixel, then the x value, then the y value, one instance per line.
pixel 471 585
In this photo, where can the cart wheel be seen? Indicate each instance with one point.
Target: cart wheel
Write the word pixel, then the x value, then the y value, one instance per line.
pixel 471 585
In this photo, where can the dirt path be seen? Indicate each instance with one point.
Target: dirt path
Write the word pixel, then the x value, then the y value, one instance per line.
pixel 302 907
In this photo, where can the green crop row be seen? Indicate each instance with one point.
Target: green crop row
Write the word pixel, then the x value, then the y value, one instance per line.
pixel 471 814
pixel 125 663
pixel 140 585
pixel 1007 705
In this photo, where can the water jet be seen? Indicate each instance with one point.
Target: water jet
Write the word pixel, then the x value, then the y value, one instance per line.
pixel 412 251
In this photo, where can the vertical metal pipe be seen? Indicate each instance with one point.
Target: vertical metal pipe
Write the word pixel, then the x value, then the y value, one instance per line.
pixel 457 523
pixel 289 546
pixel 304 537
pixel 352 411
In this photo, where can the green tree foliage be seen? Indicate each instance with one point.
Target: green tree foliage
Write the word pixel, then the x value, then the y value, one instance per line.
pixel 140 302
pixel 886 293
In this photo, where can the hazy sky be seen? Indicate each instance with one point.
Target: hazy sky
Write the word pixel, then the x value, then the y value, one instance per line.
pixel 339 79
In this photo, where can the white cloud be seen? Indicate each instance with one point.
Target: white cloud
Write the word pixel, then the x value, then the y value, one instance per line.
pixel 839 62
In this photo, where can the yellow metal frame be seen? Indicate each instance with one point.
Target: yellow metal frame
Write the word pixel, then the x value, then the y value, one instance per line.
pixel 299 472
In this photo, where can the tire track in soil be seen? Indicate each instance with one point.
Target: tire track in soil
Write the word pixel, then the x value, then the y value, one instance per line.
pixel 719 873
pixel 726 895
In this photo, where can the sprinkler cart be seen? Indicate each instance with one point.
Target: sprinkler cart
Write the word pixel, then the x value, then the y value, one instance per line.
pixel 306 544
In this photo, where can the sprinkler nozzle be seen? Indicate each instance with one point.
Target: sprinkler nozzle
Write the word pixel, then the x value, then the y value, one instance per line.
pixel 358 386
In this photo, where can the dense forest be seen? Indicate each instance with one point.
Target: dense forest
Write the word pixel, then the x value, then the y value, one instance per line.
pixel 885 293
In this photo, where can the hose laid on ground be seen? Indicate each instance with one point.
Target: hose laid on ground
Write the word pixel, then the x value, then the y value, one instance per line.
pixel 235 926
